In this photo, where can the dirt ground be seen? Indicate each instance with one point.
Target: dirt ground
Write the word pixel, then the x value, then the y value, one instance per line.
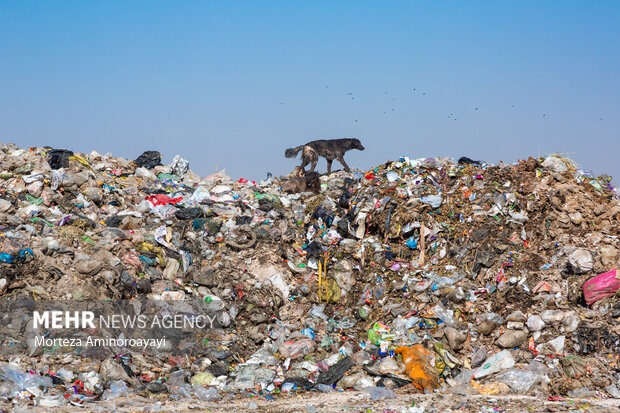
pixel 347 402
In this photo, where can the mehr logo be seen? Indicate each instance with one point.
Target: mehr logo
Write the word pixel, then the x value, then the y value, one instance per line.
pixel 64 319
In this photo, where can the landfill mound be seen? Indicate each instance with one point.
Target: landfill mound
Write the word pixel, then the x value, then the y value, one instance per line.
pixel 420 275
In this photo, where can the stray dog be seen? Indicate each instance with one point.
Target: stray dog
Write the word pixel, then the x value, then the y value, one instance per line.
pixel 328 149
pixel 308 183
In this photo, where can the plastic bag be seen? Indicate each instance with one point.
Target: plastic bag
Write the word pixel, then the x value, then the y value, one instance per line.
pixel 117 389
pixel 521 380
pixel 602 286
pixel 419 366
pixel 336 371
pixel 495 363
pixel 148 159
pixel 432 200
pixel 207 394
pixel 189 213
pixel 201 194
pixel 380 393
pixel 161 199
pixel 490 388
pixel 296 349
pixel 179 165
pixel 59 158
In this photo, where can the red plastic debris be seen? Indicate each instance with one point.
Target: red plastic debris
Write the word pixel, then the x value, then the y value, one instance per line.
pixel 601 286
pixel 161 199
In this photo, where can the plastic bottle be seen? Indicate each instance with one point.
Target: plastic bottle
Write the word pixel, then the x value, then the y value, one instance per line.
pixel 299 213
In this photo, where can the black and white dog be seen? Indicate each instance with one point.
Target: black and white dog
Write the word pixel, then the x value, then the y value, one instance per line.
pixel 329 149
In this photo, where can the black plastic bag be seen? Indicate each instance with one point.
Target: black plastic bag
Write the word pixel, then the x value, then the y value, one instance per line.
pixel 189 213
pixel 335 372
pixel 59 158
pixel 300 382
pixel 148 160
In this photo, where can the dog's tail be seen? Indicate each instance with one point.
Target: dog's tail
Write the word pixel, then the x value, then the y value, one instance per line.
pixel 292 152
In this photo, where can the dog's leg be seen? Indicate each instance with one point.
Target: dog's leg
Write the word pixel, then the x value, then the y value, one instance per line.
pixel 341 160
pixel 302 167
pixel 313 165
pixel 329 166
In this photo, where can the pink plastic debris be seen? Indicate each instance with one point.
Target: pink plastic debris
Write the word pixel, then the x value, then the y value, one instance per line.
pixel 601 286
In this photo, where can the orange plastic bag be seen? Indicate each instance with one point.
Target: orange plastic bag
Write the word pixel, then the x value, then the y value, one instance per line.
pixel 419 366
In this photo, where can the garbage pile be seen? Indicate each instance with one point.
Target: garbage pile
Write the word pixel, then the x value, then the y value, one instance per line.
pixel 420 275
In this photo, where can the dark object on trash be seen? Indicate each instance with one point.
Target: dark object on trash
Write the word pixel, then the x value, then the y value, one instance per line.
pixel 128 282
pixel 243 220
pixel 299 382
pixel 336 371
pixel 265 205
pixel 596 340
pixel 308 183
pixel 390 255
pixel 189 213
pixel 393 382
pixel 314 250
pixel 57 380
pixel 246 240
pixel 324 214
pixel 328 149
pixel 343 202
pixel 59 158
pixel 344 227
pixel 143 285
pixel 217 370
pixel 463 160
pixel 114 221
pixel 148 160
pixel 153 387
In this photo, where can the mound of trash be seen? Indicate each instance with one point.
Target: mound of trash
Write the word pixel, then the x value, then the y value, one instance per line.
pixel 420 275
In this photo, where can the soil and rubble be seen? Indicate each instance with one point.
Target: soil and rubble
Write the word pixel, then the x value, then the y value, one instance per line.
pixel 418 276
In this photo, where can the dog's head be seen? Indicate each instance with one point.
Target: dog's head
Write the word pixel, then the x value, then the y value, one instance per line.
pixel 357 144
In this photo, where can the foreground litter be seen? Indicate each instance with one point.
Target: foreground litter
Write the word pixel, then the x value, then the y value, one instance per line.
pixel 418 276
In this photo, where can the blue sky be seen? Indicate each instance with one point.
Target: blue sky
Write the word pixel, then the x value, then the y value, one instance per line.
pixel 232 84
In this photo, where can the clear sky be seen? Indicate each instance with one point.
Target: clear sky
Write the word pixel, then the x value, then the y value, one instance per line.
pixel 231 84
